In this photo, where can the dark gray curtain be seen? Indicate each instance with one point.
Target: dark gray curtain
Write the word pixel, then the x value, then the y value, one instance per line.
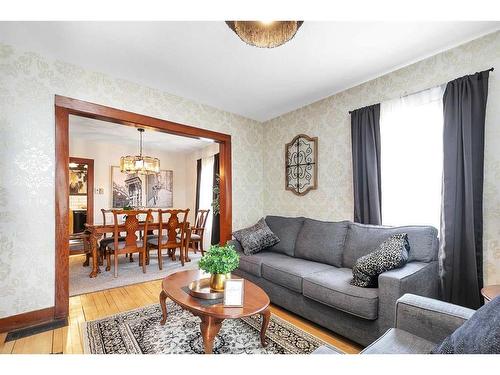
pixel 461 253
pixel 365 133
pixel 216 218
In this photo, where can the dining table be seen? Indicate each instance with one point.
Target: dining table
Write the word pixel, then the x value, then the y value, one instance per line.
pixel 96 231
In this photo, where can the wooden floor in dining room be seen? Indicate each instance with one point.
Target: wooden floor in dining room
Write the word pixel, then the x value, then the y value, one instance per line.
pixel 68 340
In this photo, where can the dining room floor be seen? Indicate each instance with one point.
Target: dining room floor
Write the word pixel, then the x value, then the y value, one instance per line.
pixel 128 272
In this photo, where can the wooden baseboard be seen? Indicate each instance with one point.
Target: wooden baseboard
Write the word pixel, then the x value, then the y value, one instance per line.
pixel 27 319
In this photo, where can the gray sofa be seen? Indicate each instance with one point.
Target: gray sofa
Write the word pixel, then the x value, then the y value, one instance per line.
pixel 421 323
pixel 309 271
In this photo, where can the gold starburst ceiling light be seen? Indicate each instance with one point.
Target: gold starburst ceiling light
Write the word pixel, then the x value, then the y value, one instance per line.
pixel 265 34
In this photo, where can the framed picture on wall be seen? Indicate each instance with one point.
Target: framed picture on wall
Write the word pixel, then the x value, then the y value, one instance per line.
pixel 126 189
pixel 159 190
pixel 77 179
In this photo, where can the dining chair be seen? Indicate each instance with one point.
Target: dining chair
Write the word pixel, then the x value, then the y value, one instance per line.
pixel 172 234
pixel 105 241
pixel 196 241
pixel 132 243
pixel 150 233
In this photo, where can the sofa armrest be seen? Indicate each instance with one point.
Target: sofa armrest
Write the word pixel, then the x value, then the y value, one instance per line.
pixel 415 277
pixel 429 318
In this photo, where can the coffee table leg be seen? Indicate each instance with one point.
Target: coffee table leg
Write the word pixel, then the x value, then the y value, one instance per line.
pixel 163 297
pixel 266 316
pixel 210 327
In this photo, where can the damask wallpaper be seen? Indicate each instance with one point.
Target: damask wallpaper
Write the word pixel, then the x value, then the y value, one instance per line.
pixel 28 83
pixel 329 120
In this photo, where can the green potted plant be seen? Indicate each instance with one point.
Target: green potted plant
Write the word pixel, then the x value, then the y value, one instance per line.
pixel 219 262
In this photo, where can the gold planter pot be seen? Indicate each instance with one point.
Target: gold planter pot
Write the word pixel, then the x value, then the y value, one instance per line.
pixel 217 281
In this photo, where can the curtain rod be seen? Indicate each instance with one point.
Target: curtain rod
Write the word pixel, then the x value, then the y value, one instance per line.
pixel 487 70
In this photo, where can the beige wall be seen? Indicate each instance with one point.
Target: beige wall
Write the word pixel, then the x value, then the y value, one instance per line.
pixel 107 154
pixel 329 120
pixel 28 83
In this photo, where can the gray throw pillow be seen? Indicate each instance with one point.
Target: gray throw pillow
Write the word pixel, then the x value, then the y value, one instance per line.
pixel 391 254
pixel 256 237
pixel 478 335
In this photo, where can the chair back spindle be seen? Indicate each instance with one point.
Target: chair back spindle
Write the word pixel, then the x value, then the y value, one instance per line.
pixel 201 218
pixel 104 218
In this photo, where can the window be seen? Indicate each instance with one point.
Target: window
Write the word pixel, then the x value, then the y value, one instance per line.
pixel 411 131
pixel 206 195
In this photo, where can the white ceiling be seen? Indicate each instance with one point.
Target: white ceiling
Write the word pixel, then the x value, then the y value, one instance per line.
pixel 92 131
pixel 205 61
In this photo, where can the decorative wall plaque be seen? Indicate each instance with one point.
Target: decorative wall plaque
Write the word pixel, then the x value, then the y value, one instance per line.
pixel 301 170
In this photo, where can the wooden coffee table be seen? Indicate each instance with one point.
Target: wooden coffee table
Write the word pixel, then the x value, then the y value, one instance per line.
pixel 256 301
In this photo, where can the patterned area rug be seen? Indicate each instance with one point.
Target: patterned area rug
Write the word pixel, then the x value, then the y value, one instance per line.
pixel 139 332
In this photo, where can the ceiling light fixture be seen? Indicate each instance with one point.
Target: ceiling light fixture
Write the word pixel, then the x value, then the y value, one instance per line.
pixel 265 34
pixel 139 163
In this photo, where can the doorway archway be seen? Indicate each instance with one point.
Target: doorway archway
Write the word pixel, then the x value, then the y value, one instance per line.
pixel 64 107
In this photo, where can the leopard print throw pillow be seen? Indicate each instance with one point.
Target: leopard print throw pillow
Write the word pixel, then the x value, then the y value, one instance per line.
pixel 256 237
pixel 391 254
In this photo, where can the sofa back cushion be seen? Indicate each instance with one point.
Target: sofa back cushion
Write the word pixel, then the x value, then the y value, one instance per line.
pixel 322 241
pixel 363 239
pixel 287 229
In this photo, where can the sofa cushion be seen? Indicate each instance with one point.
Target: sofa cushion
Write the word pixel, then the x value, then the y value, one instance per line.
pixel 256 238
pixel 322 241
pixel 397 341
pixel 391 254
pixel 361 239
pixel 253 263
pixel 289 271
pixel 332 287
pixel 287 229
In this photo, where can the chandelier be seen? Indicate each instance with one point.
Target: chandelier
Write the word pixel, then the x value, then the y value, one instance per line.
pixel 265 34
pixel 140 163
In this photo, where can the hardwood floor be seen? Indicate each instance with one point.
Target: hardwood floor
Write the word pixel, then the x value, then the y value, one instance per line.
pixel 68 340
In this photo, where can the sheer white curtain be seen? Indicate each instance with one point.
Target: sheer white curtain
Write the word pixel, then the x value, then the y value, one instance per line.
pixel 206 196
pixel 411 139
